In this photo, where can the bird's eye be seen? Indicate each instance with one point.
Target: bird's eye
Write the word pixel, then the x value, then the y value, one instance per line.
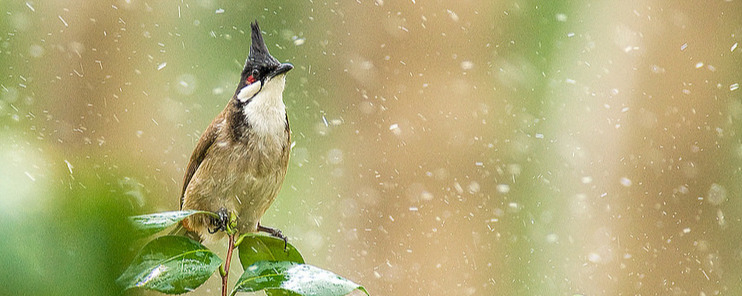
pixel 253 77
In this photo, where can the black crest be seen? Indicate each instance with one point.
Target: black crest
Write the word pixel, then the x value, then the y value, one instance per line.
pixel 259 55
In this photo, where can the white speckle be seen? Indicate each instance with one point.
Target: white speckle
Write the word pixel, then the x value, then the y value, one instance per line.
pixel 34 10
pixel 734 46
pixel 467 65
pixel 686 230
pixel 539 136
pixel 425 195
pixel 185 84
pixel 413 209
pixel 734 86
pixel 570 81
pixel 395 129
pixel 457 186
pixel 30 176
pixel 335 156
pixel 561 17
pixel 571 34
pixel 299 41
pixel 36 51
pixel 626 182
pixel 161 66
pixel 656 69
pixel 716 194
pixel 219 11
pixel 453 15
pixel 69 165
pixel 503 188
pixel 624 109
pixel 684 46
pixel 594 258
pixel 513 205
pixel 64 22
pixel 474 187
pixel 699 65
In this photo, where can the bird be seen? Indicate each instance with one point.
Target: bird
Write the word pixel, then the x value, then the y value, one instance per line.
pixel 240 161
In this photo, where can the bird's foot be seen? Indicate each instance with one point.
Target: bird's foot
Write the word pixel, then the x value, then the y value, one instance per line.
pixel 221 222
pixel 275 232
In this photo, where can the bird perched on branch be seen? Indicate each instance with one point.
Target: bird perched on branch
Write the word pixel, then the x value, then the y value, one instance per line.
pixel 240 161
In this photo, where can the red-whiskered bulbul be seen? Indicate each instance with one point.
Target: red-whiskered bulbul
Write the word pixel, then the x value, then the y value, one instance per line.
pixel 240 161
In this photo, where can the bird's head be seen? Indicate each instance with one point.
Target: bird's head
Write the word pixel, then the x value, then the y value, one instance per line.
pixel 261 69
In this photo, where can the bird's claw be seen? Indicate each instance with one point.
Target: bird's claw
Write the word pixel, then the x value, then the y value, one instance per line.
pixel 275 232
pixel 221 222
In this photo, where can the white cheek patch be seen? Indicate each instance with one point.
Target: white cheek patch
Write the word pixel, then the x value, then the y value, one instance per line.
pixel 248 91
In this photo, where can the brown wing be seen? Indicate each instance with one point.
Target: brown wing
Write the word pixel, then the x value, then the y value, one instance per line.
pixel 199 153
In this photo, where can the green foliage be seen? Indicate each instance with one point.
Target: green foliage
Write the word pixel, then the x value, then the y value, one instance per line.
pixel 154 223
pixel 301 279
pixel 254 248
pixel 72 243
pixel 176 264
pixel 171 264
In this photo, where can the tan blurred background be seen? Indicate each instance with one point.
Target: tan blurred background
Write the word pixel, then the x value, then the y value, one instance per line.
pixel 442 147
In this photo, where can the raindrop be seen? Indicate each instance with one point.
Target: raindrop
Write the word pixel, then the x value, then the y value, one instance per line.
pixel 9 94
pixel 335 156
pixel 185 84
pixel 716 194
pixel 474 187
pixel 467 65
pixel 36 51
pixel 594 258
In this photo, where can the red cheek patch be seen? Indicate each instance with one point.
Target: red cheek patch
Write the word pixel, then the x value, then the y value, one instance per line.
pixel 250 79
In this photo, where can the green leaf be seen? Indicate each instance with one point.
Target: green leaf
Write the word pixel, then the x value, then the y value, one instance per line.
pixel 295 278
pixel 254 248
pixel 153 223
pixel 170 264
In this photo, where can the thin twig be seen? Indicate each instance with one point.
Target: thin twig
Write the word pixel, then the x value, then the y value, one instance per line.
pixel 225 277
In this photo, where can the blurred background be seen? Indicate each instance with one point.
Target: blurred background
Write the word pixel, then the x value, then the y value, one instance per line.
pixel 441 147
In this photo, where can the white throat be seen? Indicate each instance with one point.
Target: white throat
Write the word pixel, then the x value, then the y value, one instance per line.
pixel 265 111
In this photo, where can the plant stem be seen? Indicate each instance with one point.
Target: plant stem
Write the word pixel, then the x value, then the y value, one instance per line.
pixel 225 277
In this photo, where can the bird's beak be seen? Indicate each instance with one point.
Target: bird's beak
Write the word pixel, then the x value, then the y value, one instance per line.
pixel 283 68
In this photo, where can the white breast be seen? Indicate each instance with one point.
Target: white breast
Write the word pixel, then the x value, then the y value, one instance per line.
pixel 266 112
